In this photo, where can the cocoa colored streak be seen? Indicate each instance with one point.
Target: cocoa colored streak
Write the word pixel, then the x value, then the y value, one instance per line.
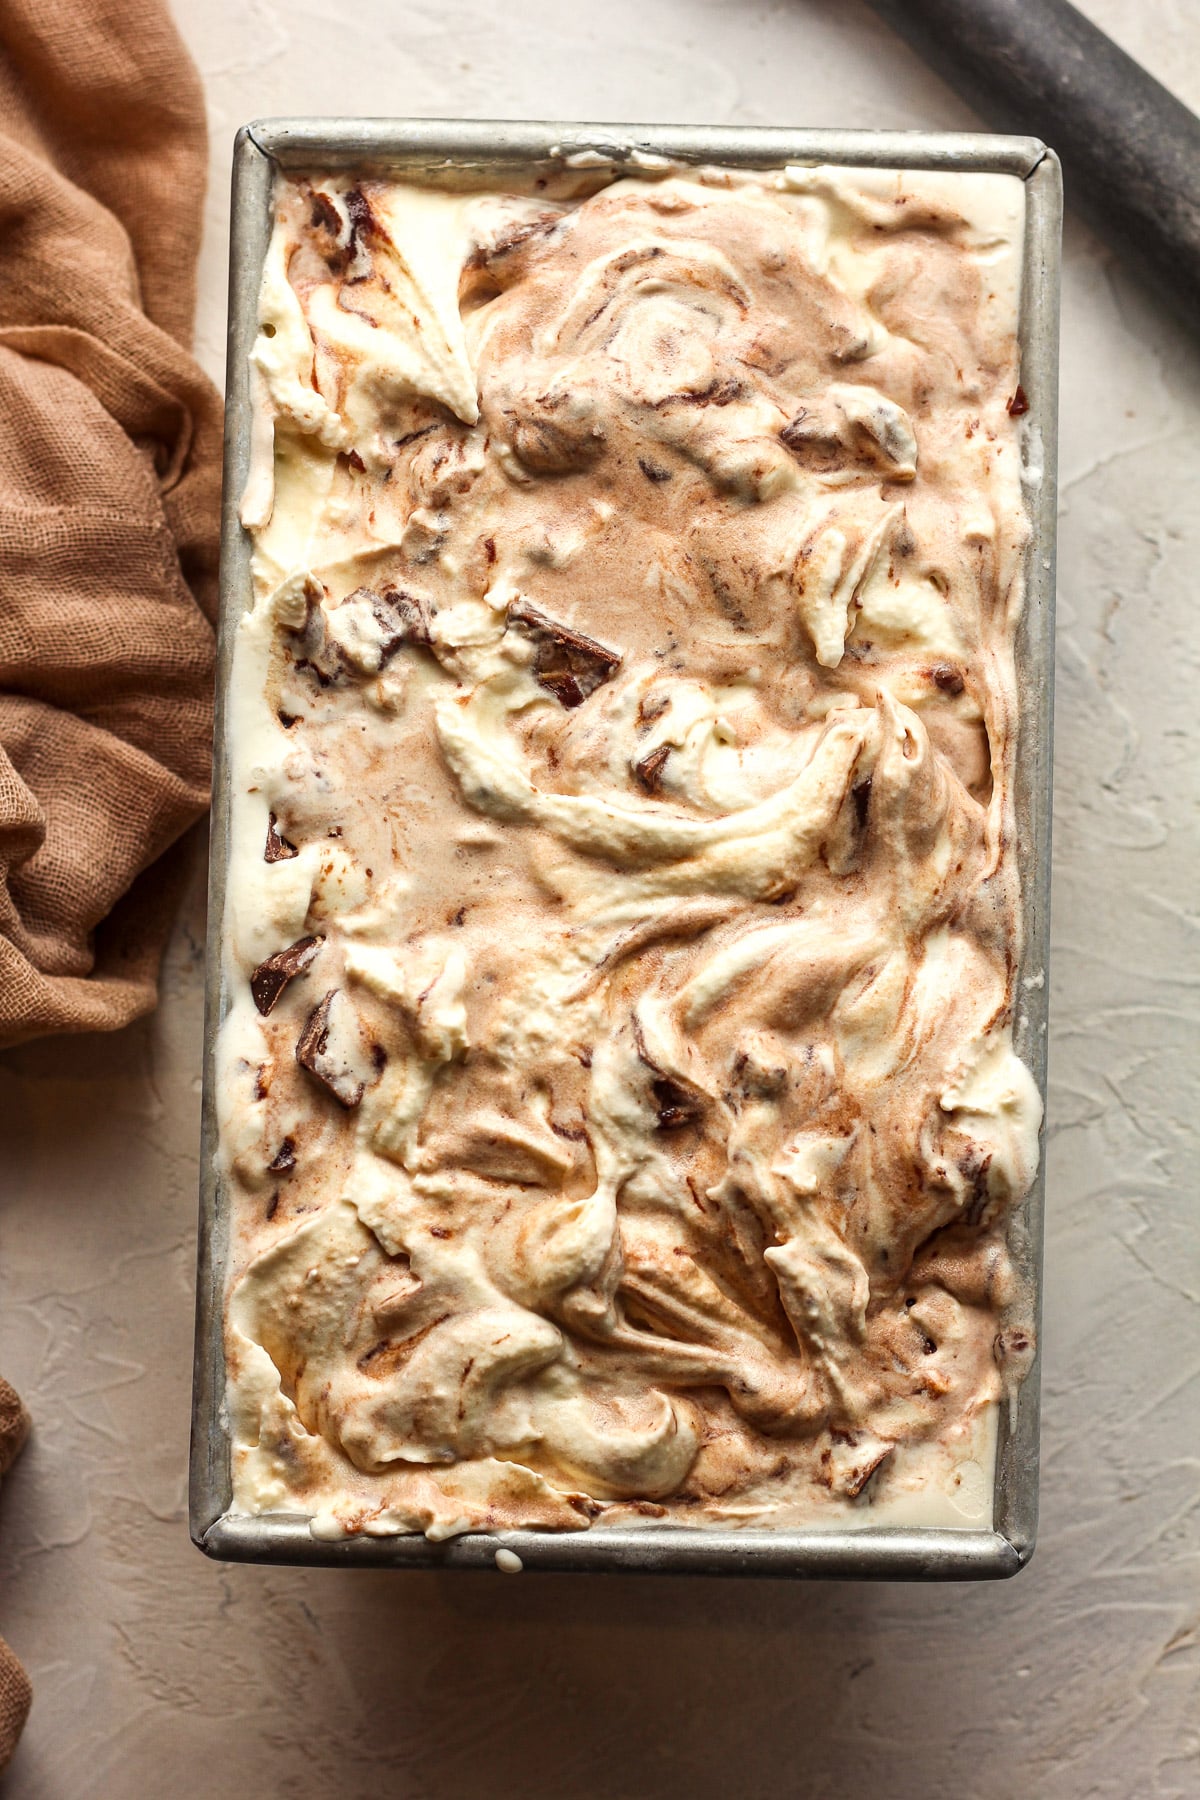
pixel 411 437
pixel 1018 404
pixel 399 1353
pixel 272 976
pixel 975 1166
pixel 518 235
pixel 362 220
pixel 279 848
pixel 717 393
pixel 324 214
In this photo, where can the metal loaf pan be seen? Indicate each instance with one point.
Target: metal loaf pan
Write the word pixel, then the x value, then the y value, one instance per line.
pixel 456 152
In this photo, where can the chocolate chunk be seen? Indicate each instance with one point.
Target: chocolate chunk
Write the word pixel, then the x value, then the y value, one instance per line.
pixel 800 431
pixel 313 1054
pixel 567 664
pixel 1019 403
pixel 676 1104
pixel 860 793
pixel 946 677
pixel 563 685
pixel 321 676
pixel 550 434
pixel 325 214
pixel 284 1160
pixel 549 446
pixel 649 769
pixel 857 1471
pixel 402 617
pixel 271 977
pixel 279 849
pixel 653 471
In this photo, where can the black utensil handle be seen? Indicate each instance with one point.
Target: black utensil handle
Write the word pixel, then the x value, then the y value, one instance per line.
pixel 1130 150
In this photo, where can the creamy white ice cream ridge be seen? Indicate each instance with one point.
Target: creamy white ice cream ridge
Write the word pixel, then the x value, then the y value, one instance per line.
pixel 618 1105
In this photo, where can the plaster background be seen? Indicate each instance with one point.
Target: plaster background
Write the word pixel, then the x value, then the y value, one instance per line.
pixel 159 1674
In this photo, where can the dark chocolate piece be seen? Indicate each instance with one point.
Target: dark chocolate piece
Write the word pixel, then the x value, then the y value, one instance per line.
pixel 284 1160
pixel 271 977
pixel 549 445
pixel 404 617
pixel 279 848
pixel 860 793
pixel 566 663
pixel 676 1104
pixel 946 677
pixel 649 769
pixel 653 471
pixel 312 1053
pixel 856 1479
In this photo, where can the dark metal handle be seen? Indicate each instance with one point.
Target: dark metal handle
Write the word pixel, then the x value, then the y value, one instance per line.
pixel 1130 150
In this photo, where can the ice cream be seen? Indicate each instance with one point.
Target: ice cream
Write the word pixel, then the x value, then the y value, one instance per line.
pixel 619 1113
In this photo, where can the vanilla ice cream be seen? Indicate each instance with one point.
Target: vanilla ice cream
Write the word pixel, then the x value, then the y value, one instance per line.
pixel 619 1113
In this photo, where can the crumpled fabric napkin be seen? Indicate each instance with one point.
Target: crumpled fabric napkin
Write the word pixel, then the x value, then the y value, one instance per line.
pixel 109 492
pixel 15 1692
pixel 109 489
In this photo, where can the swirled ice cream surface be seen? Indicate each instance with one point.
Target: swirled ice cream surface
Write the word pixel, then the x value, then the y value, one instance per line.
pixel 619 1113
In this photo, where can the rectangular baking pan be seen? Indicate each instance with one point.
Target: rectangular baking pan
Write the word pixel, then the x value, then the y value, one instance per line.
pixel 452 152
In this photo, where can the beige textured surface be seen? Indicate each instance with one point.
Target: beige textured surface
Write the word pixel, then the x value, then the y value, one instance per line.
pixel 159 1674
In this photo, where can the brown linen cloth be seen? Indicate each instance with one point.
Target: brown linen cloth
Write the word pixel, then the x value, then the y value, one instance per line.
pixel 15 1693
pixel 109 484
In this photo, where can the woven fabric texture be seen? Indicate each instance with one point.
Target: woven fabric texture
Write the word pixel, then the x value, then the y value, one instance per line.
pixel 109 490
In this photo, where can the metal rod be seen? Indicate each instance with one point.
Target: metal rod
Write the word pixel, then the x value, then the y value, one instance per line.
pixel 1130 150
